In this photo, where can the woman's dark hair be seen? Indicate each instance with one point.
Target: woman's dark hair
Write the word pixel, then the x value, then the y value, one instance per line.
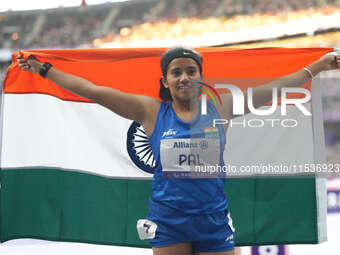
pixel 164 93
pixel 167 57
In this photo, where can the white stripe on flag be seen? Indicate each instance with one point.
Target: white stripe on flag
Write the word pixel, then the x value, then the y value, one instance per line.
pixel 44 131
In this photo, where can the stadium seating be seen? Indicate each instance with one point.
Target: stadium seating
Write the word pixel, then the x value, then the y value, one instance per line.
pixel 72 27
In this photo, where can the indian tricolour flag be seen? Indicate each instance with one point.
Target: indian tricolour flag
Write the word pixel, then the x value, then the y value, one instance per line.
pixel 72 170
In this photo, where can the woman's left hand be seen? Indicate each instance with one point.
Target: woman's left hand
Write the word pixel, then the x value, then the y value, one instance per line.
pixel 330 61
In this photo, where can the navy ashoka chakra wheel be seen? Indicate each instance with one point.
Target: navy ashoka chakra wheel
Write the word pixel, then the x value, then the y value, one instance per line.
pixel 139 148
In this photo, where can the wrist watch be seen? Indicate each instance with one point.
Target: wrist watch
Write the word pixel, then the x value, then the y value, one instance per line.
pixel 44 69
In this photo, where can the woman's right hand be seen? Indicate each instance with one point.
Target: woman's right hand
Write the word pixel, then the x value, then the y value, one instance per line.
pixel 31 64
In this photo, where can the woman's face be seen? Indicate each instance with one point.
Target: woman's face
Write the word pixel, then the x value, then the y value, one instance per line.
pixel 180 79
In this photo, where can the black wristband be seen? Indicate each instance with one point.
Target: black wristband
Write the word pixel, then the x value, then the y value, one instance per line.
pixel 44 69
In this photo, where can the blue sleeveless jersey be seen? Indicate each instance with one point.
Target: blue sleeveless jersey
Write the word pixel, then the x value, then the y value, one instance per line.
pixel 191 195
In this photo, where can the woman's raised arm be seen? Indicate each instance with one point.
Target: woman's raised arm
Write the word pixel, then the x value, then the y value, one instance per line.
pixel 263 94
pixel 139 108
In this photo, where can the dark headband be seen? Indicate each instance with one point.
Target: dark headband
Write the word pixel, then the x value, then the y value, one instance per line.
pixel 179 52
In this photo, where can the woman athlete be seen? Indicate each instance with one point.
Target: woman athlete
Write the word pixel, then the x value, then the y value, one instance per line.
pixel 186 216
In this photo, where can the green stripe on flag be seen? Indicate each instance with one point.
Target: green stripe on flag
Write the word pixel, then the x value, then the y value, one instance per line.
pixel 211 132
pixel 63 205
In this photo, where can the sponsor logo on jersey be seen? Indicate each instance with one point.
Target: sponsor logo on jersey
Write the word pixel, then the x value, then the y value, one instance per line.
pixel 169 132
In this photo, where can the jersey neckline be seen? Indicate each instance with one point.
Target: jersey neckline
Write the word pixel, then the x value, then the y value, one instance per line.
pixel 195 119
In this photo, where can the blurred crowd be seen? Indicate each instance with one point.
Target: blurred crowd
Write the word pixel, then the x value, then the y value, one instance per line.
pixel 195 26
pixel 67 33
pixel 72 27
pixel 68 27
pixel 3 71
pixel 331 114
pixel 56 28
pixel 332 144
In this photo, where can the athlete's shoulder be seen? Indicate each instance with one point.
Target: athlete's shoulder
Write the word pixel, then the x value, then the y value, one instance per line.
pixel 165 106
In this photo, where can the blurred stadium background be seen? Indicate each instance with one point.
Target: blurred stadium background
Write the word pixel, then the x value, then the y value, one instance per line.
pixel 193 23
